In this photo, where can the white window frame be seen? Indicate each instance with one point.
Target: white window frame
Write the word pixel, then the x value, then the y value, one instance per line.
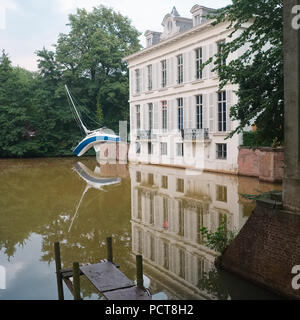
pixel 199 111
pixel 164 73
pixel 222 111
pixel 150 82
pixel 199 63
pixel 137 81
pixel 164 114
pixel 180 113
pixel 180 68
pixel 221 154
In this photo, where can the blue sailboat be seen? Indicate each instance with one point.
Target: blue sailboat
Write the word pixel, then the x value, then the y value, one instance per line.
pixel 93 138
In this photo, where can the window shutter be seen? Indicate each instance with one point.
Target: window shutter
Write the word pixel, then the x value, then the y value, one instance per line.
pixel 155 116
pixel 155 76
pixel 142 80
pixel 145 79
pixel 171 71
pixel 228 106
pixel 193 66
pixel 133 119
pixel 189 110
pixel 212 99
pixel 205 110
pixel 186 113
pixel 205 57
pixel 145 117
pixel 132 83
pixel 211 54
pixel 174 115
pixel 193 112
pixel 186 66
pixel 170 115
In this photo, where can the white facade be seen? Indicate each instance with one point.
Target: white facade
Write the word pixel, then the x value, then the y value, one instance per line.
pixel 177 115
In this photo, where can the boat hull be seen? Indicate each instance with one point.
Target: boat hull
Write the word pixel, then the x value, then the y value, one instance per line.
pixel 92 141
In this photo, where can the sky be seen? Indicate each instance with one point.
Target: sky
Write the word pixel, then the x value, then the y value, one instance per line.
pixel 29 25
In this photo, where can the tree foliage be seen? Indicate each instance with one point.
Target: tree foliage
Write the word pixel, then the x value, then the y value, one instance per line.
pixel 35 116
pixel 258 71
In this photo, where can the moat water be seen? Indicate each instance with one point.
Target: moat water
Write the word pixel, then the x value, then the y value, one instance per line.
pixel 151 210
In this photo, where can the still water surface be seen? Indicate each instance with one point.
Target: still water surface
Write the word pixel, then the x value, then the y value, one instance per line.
pixel 155 211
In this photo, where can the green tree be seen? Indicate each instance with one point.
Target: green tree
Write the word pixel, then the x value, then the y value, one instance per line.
pixel 15 101
pixel 91 58
pixel 259 70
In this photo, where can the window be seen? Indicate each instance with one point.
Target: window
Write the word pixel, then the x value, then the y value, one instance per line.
pixel 138 177
pixel 199 63
pixel 139 205
pixel 163 148
pixel 182 263
pixel 197 19
pixel 164 73
pixel 165 213
pixel 221 193
pixel 151 209
pixel 180 219
pixel 180 113
pixel 152 248
pixel 149 77
pixel 150 149
pixel 179 147
pixel 137 81
pixel 138 117
pixel 164 182
pixel 137 148
pixel 149 42
pixel 180 68
pixel 180 185
pixel 150 111
pixel 222 111
pixel 221 150
pixel 222 63
pixel 170 26
pixel 166 255
pixel 150 179
pixel 164 115
pixel 199 112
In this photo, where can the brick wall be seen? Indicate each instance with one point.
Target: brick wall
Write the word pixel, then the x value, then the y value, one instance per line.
pixel 266 249
pixel 263 163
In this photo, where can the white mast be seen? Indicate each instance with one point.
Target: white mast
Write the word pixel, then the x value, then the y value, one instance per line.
pixel 83 126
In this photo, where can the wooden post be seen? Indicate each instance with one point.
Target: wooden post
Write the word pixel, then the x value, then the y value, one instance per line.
pixel 139 271
pixel 76 281
pixel 109 249
pixel 60 288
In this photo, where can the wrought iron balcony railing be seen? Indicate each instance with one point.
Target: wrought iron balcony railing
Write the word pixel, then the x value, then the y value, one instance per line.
pixel 195 134
pixel 145 135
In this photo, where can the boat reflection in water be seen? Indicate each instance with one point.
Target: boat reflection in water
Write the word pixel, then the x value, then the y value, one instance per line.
pixel 93 180
pixel 169 207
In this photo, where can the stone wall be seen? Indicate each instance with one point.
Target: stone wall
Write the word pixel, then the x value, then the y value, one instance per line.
pixel 264 163
pixel 266 249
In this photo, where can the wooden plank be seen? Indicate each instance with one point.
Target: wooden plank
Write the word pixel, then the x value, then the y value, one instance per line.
pixel 68 273
pixel 106 277
pixel 69 284
pixel 133 293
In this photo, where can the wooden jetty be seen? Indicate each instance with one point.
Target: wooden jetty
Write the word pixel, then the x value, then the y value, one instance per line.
pixel 105 277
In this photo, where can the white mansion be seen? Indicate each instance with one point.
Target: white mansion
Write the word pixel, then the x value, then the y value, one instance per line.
pixel 177 114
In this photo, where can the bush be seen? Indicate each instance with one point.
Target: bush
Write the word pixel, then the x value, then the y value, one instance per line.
pixel 219 240
pixel 254 139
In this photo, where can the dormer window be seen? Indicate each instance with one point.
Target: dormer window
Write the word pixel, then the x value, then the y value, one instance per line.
pixel 149 42
pixel 170 26
pixel 197 19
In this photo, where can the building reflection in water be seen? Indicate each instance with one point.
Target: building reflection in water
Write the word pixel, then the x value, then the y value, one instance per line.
pixel 169 207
